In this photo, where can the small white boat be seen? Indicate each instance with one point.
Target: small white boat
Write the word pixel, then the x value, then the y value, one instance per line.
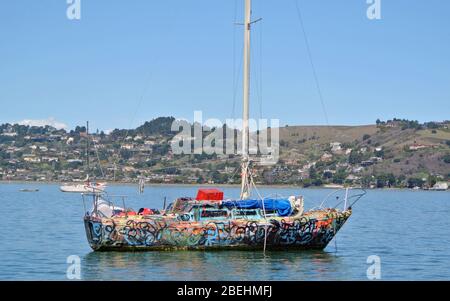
pixel 87 186
pixel 440 186
pixel 83 188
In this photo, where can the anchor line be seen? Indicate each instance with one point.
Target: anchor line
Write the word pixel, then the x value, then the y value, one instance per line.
pixel 335 238
pixel 264 212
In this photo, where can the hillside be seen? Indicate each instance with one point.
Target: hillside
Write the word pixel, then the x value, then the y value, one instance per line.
pixel 392 153
pixel 394 142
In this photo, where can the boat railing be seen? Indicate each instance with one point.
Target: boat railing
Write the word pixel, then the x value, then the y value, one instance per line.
pixel 348 200
pixel 96 196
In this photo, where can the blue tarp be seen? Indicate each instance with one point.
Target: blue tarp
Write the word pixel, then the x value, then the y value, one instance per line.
pixel 281 206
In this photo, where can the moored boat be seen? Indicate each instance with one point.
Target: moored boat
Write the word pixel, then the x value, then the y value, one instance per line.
pixel 83 187
pixel 88 184
pixel 208 222
pixel 440 186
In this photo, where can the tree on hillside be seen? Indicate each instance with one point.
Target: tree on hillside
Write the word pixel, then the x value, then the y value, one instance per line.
pixel 379 153
pixel 432 180
pixel 158 126
pixel 78 130
pixel 385 180
pixel 339 176
pixel 312 172
pixel 415 182
pixel 446 158
pixel 126 154
pixel 355 157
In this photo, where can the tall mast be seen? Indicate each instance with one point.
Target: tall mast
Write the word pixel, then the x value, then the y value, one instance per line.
pixel 245 183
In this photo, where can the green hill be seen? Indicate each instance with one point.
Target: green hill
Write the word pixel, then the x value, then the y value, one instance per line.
pixel 392 153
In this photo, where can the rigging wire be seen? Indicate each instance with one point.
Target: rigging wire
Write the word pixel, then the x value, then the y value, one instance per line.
pixel 98 158
pixel 261 67
pixel 234 173
pixel 141 98
pixel 260 90
pixel 235 69
pixel 258 78
pixel 308 50
pixel 235 86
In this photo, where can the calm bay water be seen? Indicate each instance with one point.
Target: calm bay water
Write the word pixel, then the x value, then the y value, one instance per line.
pixel 408 230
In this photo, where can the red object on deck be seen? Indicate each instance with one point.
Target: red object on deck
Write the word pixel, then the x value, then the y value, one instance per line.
pixel 209 195
pixel 146 211
pixel 122 214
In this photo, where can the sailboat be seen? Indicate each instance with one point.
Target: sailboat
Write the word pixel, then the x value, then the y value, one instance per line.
pixel 88 185
pixel 208 221
pixel 85 187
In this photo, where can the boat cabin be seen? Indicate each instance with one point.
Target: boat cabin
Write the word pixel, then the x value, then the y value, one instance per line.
pixel 192 210
pixel 208 205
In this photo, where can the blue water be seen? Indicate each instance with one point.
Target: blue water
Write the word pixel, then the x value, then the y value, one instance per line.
pixel 408 230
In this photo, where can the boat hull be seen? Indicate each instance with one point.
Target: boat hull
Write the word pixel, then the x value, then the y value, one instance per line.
pixel 313 230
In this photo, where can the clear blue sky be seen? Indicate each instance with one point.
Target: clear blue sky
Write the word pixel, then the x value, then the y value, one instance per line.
pixel 129 61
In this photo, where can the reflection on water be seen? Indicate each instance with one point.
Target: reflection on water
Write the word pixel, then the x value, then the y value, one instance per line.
pixel 216 265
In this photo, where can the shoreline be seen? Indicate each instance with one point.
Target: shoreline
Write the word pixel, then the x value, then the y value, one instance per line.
pixel 209 185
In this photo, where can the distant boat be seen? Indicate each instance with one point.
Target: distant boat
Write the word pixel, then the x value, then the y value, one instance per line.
pixel 440 186
pixel 85 187
pixel 88 185
pixel 29 190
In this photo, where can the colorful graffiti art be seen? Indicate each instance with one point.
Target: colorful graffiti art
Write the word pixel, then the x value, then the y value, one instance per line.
pixel 193 225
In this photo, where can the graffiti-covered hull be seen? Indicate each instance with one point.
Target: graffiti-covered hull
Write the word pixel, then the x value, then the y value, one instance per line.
pixel 310 230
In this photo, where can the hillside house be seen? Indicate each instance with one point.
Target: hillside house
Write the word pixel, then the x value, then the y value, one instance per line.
pixel 13 134
pixel 376 159
pixel 326 157
pixel 31 159
pixel 352 178
pixel 50 159
pixel 418 146
pixel 127 146
pixel 336 147
pixel 358 169
pixel 367 163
